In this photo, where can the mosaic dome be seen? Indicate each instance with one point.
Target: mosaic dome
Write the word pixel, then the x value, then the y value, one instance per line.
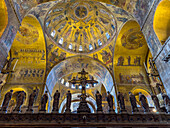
pixel 80 27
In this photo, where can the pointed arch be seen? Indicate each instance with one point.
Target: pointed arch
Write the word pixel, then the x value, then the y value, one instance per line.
pixel 129 55
pixel 29 53
pixel 4 17
pixel 161 22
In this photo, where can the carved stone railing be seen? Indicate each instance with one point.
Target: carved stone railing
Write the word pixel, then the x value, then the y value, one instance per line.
pixel 84 120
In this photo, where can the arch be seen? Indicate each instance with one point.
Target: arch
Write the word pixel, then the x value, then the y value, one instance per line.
pixel 161 22
pixel 12 102
pixel 75 98
pixel 4 17
pixel 29 50
pixel 145 92
pixel 75 64
pixel 130 53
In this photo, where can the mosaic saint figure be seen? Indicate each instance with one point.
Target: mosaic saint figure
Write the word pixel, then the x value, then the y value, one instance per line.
pixel 99 101
pixel 129 59
pixel 7 98
pixel 143 101
pixel 20 100
pixel 56 101
pixel 110 102
pixel 120 61
pixel 68 103
pixel 133 102
pixel 44 100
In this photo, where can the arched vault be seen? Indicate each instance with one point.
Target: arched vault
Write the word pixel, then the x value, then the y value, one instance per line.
pixel 76 64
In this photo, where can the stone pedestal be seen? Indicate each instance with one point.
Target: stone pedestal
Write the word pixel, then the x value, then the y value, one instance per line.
pixel 42 111
pixel 3 112
pixel 16 111
pixel 112 111
pixel 56 112
pixel 29 111
pixel 83 107
pixel 67 111
pixel 123 111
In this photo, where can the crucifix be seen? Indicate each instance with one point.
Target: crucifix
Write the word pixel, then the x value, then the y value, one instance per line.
pixel 82 81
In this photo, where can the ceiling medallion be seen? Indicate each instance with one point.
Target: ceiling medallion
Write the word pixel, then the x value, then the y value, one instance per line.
pixel 80 26
pixel 81 11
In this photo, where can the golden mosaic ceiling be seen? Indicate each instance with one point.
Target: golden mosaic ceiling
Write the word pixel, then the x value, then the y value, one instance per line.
pixel 80 27
pixel 4 16
pixel 161 22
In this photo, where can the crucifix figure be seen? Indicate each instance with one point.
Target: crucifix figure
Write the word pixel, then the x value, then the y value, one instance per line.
pixel 82 81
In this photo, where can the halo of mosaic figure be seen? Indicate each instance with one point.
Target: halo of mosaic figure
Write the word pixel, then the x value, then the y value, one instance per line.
pixel 120 97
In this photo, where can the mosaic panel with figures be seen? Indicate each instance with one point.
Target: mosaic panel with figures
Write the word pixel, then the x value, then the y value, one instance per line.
pixel 80 27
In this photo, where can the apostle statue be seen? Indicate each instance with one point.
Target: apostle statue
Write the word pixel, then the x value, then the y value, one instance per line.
pixel 143 101
pixel 56 101
pixel 32 98
pixel 156 102
pixel 68 103
pixel 110 101
pixel 121 101
pixel 133 102
pixel 20 100
pixel 166 102
pixel 99 101
pixel 7 98
pixel 44 101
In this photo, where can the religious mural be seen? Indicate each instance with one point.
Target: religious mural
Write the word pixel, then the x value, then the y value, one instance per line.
pixel 138 8
pixel 83 24
pixel 133 39
pixel 30 55
pixel 131 61
pixel 29 34
pixel 131 79
pixel 22 7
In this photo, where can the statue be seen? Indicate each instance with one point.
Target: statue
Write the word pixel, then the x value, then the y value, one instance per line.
pixel 143 101
pixel 158 86
pixel 156 102
pixel 32 99
pixel 121 101
pixel 99 101
pixel 44 100
pixel 7 98
pixel 56 101
pixel 110 102
pixel 68 103
pixel 20 100
pixel 166 102
pixel 133 102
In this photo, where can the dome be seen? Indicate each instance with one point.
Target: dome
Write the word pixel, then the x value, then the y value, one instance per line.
pixel 80 27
